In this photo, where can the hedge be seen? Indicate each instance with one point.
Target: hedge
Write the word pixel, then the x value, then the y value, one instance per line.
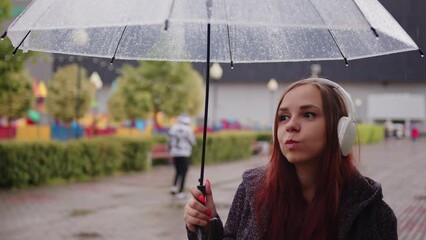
pixel 224 146
pixel 37 163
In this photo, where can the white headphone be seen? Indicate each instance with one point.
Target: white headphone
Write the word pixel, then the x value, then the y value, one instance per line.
pixel 346 128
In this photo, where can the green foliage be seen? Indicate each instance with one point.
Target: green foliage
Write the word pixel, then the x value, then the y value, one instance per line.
pixel 264 136
pixel 28 163
pixel 12 74
pixel 378 133
pixel 135 154
pixel 169 87
pixel 37 163
pixel 5 10
pixel 370 133
pixel 8 62
pixel 95 157
pixel 159 139
pixel 196 95
pixel 65 96
pixel 225 146
pixel 131 99
pixel 16 96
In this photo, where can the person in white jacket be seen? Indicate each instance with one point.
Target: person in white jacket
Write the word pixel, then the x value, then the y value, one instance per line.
pixel 181 139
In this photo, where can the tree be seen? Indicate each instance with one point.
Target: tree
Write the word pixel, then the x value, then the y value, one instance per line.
pixel 130 100
pixel 67 101
pixel 5 7
pixel 168 87
pixel 8 62
pixel 17 95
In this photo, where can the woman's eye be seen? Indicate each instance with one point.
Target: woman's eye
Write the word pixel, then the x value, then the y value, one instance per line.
pixel 309 115
pixel 282 118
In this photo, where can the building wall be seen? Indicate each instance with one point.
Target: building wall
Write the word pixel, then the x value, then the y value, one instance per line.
pixel 253 104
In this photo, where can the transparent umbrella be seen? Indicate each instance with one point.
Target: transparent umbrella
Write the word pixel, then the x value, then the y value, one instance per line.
pixel 243 31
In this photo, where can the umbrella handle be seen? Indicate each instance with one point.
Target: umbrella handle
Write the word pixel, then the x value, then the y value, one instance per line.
pixel 200 230
pixel 200 234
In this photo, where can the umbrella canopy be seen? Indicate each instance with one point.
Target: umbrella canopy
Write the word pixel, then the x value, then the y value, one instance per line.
pixel 241 31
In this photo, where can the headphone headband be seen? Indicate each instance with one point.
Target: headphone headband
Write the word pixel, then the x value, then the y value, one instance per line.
pixel 345 95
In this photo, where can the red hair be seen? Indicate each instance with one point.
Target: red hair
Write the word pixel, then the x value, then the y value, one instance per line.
pixel 289 215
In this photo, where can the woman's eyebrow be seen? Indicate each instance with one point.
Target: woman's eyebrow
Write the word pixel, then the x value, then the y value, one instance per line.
pixel 303 107
pixel 307 106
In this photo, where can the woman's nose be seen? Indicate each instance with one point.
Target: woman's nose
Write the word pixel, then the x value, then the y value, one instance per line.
pixel 292 125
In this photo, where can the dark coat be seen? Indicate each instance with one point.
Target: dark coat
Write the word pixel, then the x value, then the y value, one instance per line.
pixel 363 215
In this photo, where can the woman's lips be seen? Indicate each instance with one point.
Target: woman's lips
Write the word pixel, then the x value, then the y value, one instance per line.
pixel 291 143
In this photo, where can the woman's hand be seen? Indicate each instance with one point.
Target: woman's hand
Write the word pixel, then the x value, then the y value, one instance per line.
pixel 199 209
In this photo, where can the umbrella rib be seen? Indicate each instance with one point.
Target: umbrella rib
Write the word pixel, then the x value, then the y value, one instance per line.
pixel 331 33
pixel 22 41
pixel 229 37
pixel 166 23
pixel 338 47
pixel 26 35
pixel 118 44
pixel 229 46
pixel 366 19
pixel 3 35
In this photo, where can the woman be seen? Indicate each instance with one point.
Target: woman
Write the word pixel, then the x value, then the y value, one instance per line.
pixel 310 189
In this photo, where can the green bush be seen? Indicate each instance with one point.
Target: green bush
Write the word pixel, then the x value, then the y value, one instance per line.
pixel 159 139
pixel 370 133
pixel 224 146
pixel 264 136
pixel 28 163
pixel 135 153
pixel 36 163
pixel 378 133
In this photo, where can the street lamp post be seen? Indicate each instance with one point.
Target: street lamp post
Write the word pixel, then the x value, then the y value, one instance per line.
pixel 96 80
pixel 80 38
pixel 216 73
pixel 358 104
pixel 77 105
pixel 272 87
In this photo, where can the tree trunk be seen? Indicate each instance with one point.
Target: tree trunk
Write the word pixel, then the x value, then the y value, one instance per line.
pixel 9 118
pixel 132 125
pixel 156 124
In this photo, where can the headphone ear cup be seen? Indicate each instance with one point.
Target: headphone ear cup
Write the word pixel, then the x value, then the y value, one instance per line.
pixel 346 129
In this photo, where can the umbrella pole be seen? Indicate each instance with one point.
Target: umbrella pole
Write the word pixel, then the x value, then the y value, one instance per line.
pixel 201 186
pixel 206 113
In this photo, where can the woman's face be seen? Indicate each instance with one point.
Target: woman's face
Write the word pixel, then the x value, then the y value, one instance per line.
pixel 301 125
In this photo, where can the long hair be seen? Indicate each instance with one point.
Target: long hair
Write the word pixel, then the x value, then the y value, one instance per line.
pixel 288 214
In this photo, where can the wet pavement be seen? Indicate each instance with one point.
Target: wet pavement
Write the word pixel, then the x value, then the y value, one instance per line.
pixel 139 206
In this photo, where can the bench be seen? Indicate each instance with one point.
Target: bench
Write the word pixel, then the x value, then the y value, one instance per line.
pixel 161 151
pixel 261 147
pixel 158 151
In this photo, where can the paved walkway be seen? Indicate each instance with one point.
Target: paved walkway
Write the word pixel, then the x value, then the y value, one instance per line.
pixel 138 206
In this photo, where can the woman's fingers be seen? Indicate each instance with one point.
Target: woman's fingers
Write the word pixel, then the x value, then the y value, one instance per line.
pixel 196 193
pixel 196 214
pixel 199 209
pixel 196 220
pixel 209 199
